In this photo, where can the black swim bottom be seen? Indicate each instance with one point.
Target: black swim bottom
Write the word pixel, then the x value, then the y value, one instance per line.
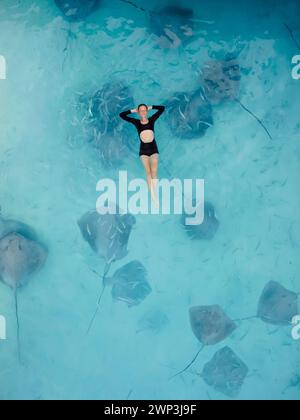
pixel 149 149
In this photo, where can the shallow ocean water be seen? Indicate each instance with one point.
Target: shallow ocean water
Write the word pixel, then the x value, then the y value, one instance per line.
pixel 48 176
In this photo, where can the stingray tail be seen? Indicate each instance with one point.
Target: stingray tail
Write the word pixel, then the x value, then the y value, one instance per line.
pixel 66 49
pixel 249 318
pixel 131 3
pixel 190 364
pixel 105 273
pixel 18 325
pixel 96 311
pixel 256 117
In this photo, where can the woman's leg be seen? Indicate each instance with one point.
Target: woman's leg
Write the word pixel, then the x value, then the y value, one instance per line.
pixel 146 160
pixel 154 166
pixel 154 174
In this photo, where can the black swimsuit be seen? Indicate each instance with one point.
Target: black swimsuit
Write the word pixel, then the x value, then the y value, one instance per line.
pixel 147 149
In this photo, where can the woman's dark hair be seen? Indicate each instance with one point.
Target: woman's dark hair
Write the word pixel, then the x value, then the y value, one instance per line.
pixel 140 106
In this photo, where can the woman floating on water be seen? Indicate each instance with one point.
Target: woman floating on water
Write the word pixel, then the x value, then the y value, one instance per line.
pixel 148 151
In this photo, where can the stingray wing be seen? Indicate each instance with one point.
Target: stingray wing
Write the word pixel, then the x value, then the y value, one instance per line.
pixel 19 259
pixel 226 372
pixel 277 305
pixel 131 284
pixel 210 324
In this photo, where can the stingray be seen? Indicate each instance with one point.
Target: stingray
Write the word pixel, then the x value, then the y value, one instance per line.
pixel 173 25
pixel 208 229
pixel 111 148
pixel 21 256
pixel 105 105
pixel 77 10
pixel 292 35
pixel 277 305
pixel 210 326
pixel 226 373
pixel 220 80
pixel 154 321
pixel 105 129
pixel 108 236
pixel 189 114
pixel 130 284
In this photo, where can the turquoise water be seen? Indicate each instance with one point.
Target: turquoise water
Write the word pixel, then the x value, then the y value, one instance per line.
pixel 48 176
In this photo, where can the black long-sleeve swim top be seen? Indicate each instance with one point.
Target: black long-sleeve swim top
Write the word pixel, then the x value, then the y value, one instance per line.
pixel 151 121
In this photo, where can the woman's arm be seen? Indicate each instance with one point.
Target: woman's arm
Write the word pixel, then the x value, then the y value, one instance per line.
pixel 160 110
pixel 124 116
